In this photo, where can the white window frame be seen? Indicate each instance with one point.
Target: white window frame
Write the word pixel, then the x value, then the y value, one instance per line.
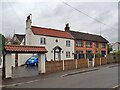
pixel 67 56
pixel 68 43
pixel 88 44
pixel 103 45
pixel 79 43
pixel 42 40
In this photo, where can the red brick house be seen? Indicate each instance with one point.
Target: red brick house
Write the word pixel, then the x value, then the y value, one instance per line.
pixel 88 43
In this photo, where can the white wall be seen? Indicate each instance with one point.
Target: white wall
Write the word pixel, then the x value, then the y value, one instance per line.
pixel 8 66
pixel 13 59
pixel 51 43
pixel 34 40
pixel 22 58
pixel 115 47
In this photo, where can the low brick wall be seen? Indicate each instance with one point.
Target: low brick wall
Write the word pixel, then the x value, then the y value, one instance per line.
pixel 97 61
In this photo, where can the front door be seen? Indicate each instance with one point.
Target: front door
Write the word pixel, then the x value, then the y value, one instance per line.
pixel 57 56
pixel 57 53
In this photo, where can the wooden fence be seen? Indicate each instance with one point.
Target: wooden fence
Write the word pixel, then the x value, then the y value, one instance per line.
pixel 56 66
pixel 53 66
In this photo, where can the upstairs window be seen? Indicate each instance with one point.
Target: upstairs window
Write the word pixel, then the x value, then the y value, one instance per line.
pixel 103 45
pixel 96 45
pixel 68 43
pixel 42 40
pixel 79 43
pixel 88 44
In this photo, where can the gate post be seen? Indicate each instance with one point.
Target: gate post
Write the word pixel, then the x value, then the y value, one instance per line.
pixel 100 61
pixel 8 66
pixel 63 65
pixel 88 62
pixel 41 63
pixel 76 63
pixel 93 63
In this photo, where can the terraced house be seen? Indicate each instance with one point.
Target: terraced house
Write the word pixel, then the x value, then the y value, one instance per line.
pixel 88 43
pixel 61 44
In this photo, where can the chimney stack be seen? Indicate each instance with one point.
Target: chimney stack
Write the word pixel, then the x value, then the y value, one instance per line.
pixel 28 22
pixel 67 28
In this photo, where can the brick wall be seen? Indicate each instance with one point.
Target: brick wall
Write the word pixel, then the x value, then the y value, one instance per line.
pixel 93 48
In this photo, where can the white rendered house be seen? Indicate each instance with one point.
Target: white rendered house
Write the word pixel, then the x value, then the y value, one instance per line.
pixel 116 47
pixel 59 44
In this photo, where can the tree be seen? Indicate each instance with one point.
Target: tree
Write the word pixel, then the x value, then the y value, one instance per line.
pixel 109 48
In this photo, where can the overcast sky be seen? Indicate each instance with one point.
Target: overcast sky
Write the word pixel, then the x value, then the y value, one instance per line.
pixel 55 14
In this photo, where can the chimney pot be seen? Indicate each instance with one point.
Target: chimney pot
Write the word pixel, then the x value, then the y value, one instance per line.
pixel 67 28
pixel 28 17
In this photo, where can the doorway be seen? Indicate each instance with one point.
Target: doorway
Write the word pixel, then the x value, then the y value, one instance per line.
pixel 57 56
pixel 57 53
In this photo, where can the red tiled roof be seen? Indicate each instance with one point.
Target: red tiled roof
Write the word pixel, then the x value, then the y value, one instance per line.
pixel 51 32
pixel 24 48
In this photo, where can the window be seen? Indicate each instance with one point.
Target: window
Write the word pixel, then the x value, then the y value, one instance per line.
pixel 42 40
pixel 68 43
pixel 56 40
pixel 79 43
pixel 80 52
pixel 67 54
pixel 103 45
pixel 88 51
pixel 88 44
pixel 96 44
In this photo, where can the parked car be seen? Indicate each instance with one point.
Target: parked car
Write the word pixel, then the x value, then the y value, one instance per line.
pixel 32 61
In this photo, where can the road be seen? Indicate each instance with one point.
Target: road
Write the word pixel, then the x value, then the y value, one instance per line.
pixel 104 77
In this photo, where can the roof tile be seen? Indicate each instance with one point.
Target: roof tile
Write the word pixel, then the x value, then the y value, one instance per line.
pixel 24 48
pixel 51 32
pixel 89 37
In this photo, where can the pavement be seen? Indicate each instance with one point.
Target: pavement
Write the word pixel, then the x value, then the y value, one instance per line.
pixel 24 71
pixel 105 76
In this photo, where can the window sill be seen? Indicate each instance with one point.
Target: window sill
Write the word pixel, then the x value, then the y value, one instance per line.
pixel 67 57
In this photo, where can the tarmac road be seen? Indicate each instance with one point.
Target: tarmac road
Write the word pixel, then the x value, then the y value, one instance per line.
pixel 104 77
